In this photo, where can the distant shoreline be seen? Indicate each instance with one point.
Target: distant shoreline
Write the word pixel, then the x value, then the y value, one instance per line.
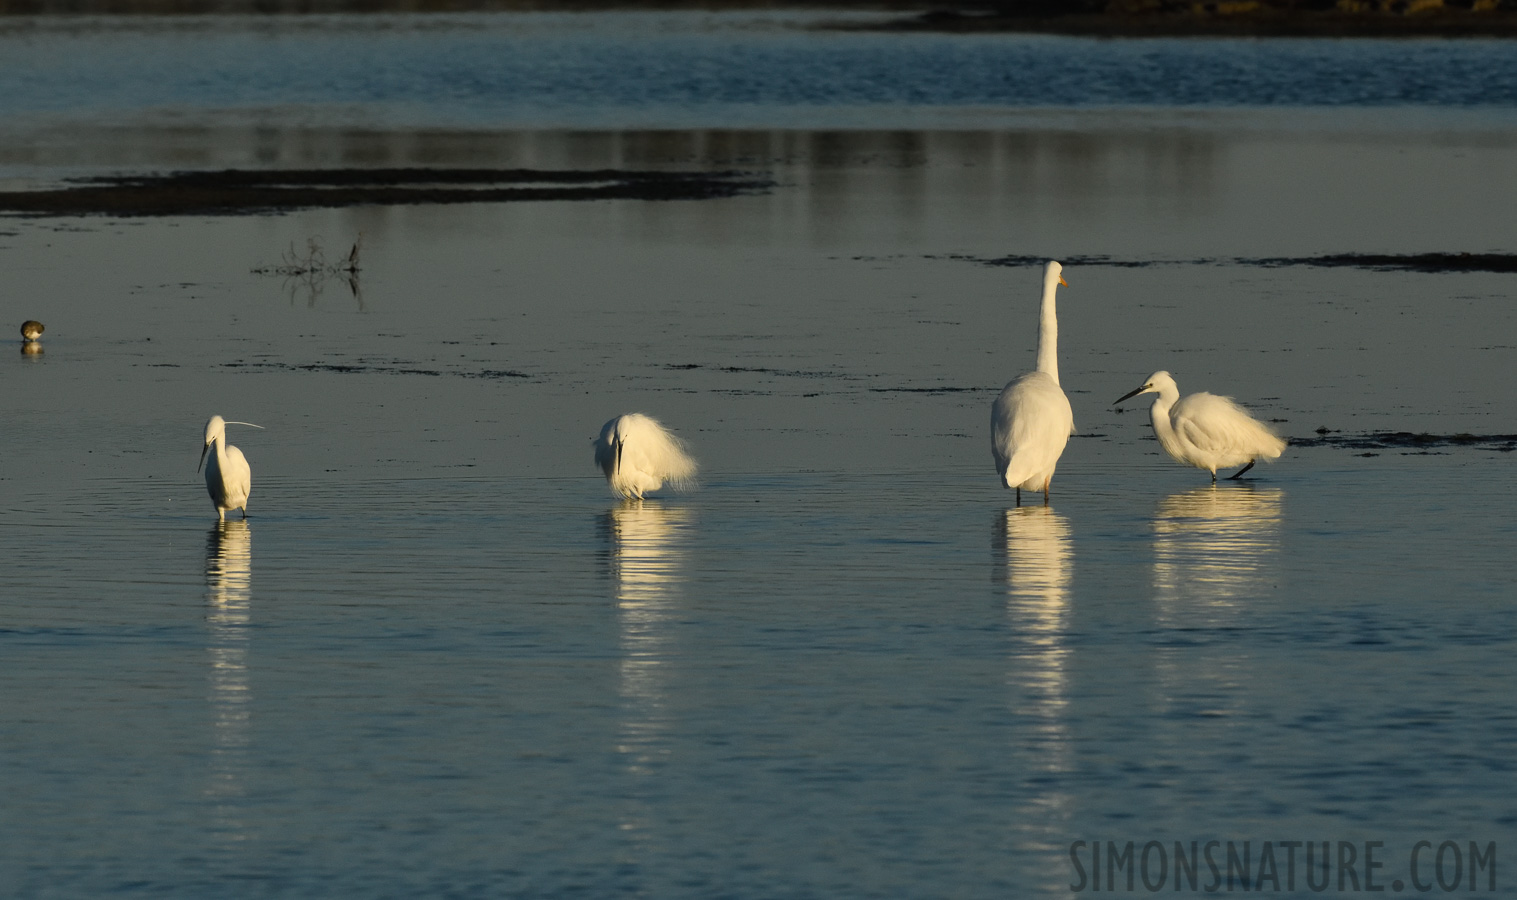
pixel 1093 18
pixel 1262 23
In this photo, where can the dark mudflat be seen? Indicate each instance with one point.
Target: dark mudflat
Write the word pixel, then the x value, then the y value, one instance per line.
pixel 370 369
pixel 1406 440
pixel 1380 262
pixel 245 192
pixel 1412 262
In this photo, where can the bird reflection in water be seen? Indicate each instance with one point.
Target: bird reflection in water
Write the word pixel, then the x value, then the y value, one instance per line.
pixel 1033 545
pixel 1214 546
pixel 647 561
pixel 229 584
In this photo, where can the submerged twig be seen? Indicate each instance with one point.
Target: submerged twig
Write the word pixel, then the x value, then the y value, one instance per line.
pixel 310 269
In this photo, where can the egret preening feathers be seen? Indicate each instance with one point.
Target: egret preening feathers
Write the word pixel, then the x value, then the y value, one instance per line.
pixel 1031 421
pixel 1206 431
pixel 228 478
pixel 638 455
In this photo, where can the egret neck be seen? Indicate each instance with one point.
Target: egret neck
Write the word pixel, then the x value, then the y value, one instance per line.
pixel 1164 429
pixel 1048 326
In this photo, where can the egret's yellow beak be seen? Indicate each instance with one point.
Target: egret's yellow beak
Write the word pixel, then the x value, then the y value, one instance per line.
pixel 1062 281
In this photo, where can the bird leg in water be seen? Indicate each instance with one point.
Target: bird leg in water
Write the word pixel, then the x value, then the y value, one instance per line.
pixel 1240 472
pixel 1019 497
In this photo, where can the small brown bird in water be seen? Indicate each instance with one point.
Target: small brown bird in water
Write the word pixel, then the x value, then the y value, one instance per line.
pixel 31 329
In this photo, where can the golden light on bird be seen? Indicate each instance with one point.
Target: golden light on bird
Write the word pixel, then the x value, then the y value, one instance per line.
pixel 638 454
pixel 1205 430
pixel 228 477
pixel 1031 420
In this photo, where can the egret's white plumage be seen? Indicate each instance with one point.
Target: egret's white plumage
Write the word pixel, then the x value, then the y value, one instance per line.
pixel 1031 420
pixel 228 477
pixel 639 455
pixel 1205 430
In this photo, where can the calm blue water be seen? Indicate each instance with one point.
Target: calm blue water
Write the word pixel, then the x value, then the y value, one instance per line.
pixel 440 660
pixel 632 70
pixel 785 686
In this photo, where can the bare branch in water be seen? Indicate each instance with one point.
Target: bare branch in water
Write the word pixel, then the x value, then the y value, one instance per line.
pixel 309 269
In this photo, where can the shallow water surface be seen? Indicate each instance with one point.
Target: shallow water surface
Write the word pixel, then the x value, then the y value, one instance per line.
pixel 806 685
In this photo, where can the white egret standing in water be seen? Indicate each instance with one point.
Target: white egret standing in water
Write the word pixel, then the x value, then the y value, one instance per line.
pixel 228 477
pixel 1206 431
pixel 1031 421
pixel 638 454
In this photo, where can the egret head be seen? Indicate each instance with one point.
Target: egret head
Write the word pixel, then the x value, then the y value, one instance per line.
pixel 1054 272
pixel 608 447
pixel 215 430
pixel 1154 384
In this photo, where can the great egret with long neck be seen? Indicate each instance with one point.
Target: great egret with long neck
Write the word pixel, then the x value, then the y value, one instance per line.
pixel 1031 421
pixel 228 477
pixel 1205 430
pixel 638 454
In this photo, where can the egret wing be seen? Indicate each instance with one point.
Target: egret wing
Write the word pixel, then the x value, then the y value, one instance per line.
pixel 238 478
pixel 1221 428
pixel 1031 422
